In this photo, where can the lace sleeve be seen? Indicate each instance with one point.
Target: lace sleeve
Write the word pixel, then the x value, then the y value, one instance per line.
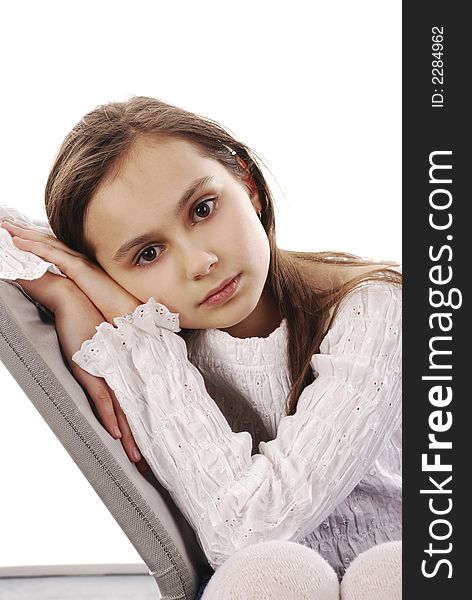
pixel 320 453
pixel 16 263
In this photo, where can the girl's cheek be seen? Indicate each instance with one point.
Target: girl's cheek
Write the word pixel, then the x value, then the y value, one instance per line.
pixel 167 295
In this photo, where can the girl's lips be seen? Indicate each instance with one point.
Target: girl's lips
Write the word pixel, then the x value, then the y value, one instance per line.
pixel 224 294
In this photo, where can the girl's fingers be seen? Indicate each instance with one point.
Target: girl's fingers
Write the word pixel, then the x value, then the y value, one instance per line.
pixel 112 416
pixel 89 278
pixel 67 262
pixel 127 438
pixel 98 391
pixel 29 233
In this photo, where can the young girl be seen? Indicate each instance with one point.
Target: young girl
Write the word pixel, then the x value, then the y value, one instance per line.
pixel 262 386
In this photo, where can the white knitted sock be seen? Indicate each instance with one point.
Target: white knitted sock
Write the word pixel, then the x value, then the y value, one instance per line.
pixel 274 570
pixel 375 574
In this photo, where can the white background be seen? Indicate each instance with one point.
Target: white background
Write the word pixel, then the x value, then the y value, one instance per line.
pixel 314 87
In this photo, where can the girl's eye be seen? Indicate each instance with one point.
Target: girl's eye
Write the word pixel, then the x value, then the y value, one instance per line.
pixel 149 255
pixel 203 209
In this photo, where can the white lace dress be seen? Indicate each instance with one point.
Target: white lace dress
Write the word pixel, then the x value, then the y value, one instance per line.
pixel 209 419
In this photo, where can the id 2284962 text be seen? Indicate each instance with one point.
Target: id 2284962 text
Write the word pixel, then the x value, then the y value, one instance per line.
pixel 437 67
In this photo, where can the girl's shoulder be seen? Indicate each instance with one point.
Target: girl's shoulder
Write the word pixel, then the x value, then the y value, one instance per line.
pixel 328 276
pixel 368 316
pixel 372 299
pixel 357 288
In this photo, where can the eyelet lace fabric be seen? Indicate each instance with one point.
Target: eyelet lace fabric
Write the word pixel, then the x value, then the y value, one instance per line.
pixel 16 263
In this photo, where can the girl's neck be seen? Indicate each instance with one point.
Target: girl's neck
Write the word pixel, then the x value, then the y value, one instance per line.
pixel 263 320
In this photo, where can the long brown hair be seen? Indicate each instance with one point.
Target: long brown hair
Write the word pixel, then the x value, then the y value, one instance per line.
pixel 305 285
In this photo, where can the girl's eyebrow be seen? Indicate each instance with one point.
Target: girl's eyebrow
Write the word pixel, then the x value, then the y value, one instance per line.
pixel 194 187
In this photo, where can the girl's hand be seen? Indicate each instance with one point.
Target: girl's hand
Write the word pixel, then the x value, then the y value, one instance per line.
pixel 71 333
pixel 108 296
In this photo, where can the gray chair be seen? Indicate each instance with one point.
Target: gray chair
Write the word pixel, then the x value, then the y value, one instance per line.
pixel 30 350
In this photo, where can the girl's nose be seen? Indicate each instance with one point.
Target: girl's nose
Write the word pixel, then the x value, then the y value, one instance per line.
pixel 198 262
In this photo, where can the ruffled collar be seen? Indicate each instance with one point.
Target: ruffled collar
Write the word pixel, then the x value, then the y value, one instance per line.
pixel 216 345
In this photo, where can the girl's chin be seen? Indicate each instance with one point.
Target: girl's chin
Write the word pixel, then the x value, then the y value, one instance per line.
pixel 214 321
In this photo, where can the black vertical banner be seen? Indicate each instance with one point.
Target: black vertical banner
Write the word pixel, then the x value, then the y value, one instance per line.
pixel 437 324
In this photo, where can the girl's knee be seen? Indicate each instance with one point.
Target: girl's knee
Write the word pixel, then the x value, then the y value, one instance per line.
pixel 375 574
pixel 274 569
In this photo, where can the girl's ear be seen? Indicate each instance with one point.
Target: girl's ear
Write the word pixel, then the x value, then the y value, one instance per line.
pixel 255 200
pixel 256 203
pixel 251 184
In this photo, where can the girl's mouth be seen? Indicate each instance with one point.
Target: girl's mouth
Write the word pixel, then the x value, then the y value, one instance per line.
pixel 223 294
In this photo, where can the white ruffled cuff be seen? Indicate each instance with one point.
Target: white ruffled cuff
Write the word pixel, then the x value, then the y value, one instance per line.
pixel 150 315
pixel 98 355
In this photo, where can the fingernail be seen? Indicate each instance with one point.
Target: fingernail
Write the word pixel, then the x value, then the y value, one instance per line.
pixel 116 432
pixel 136 454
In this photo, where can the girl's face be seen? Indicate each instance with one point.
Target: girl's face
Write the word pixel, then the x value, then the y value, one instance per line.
pixel 175 225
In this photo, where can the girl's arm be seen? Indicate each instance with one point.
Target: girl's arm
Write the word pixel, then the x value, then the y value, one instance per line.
pixel 342 422
pixel 62 299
